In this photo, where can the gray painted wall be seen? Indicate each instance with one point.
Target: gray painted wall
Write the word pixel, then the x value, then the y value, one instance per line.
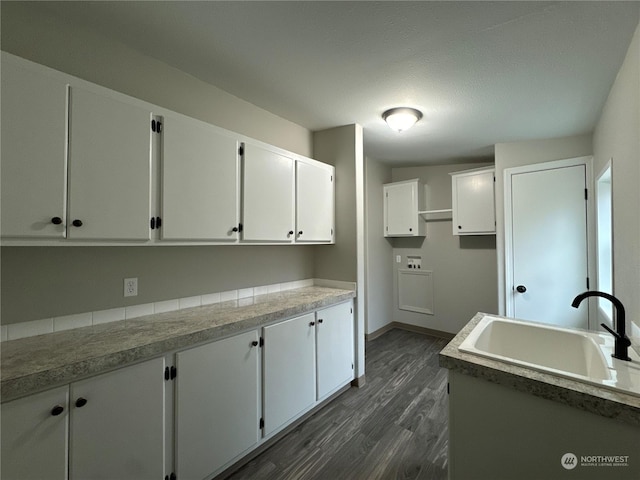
pixel 464 267
pixel 617 136
pixel 379 266
pixel 39 282
pixel 337 147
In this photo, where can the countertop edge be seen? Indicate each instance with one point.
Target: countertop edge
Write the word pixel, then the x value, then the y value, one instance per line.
pixel 14 388
pixel 573 393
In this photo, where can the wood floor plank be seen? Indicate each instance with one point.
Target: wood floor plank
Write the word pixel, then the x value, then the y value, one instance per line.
pixel 395 427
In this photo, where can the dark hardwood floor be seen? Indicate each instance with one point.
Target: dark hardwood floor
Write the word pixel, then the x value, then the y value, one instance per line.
pixel 395 427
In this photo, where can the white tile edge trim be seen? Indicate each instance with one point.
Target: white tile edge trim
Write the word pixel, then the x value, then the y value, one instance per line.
pixel 32 328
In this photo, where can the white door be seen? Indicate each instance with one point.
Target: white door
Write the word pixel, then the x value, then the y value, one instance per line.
pixel 217 404
pixel 34 151
pixel 109 168
pixel 118 431
pixel 314 203
pixel 334 342
pixel 548 240
pixel 34 436
pixel 268 196
pixel 200 182
pixel 289 370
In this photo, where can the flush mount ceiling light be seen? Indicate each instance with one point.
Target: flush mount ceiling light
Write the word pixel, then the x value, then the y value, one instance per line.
pixel 402 118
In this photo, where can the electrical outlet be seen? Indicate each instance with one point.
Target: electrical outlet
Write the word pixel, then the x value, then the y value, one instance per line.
pixel 130 287
pixel 398 259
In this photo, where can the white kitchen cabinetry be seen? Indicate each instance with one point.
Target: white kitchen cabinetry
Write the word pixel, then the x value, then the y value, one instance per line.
pixel 117 424
pixel 314 202
pixel 105 427
pixel 335 348
pixel 218 404
pixel 402 202
pixel 109 168
pixel 200 181
pixel 34 151
pixel 268 195
pixel 473 202
pixel 34 436
pixel 289 370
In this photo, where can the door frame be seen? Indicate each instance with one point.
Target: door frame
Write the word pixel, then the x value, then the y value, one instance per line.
pixel 587 161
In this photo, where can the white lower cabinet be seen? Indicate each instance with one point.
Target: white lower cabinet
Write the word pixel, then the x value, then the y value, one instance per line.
pixel 34 436
pixel 289 370
pixel 217 404
pixel 117 424
pixel 228 396
pixel 334 347
pixel 106 427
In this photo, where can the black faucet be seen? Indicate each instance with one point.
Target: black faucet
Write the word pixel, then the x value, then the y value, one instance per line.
pixel 622 342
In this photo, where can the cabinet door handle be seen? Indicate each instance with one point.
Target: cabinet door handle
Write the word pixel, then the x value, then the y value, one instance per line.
pixel 77 223
pixel 320 320
pixel 300 233
pixel 459 227
pixel 521 289
pixel 81 402
pixel 234 229
pixel 311 324
pixel 411 229
pixel 290 232
pixel 254 343
pixel 57 410
pixel 56 220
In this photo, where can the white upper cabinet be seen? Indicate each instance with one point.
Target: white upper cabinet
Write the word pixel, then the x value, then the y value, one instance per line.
pixel 109 168
pixel 268 196
pixel 314 202
pixel 34 151
pixel 200 182
pixel 82 164
pixel 402 202
pixel 473 202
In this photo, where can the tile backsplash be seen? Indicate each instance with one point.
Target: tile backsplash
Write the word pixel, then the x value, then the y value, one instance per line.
pixel 49 325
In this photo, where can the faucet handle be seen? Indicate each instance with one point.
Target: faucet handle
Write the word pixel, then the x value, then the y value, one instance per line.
pixel 625 340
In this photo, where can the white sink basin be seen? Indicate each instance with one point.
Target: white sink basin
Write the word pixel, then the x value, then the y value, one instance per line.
pixel 571 353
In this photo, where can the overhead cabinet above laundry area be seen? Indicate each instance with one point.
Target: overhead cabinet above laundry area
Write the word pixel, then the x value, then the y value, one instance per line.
pixel 82 164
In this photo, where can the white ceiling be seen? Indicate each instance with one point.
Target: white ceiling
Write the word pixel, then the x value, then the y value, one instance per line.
pixel 481 72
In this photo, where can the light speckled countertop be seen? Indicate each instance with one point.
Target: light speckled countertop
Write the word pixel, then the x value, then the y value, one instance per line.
pixel 590 398
pixel 38 363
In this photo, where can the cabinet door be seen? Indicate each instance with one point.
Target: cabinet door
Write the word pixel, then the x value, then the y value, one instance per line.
pixel 334 341
pixel 218 404
pixel 200 182
pixel 119 432
pixel 401 209
pixel 268 196
pixel 34 436
pixel 109 168
pixel 473 203
pixel 314 203
pixel 34 155
pixel 289 370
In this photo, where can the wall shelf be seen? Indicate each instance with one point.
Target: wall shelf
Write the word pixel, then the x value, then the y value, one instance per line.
pixel 427 214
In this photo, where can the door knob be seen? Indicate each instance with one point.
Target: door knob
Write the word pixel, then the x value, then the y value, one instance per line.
pixel 521 289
